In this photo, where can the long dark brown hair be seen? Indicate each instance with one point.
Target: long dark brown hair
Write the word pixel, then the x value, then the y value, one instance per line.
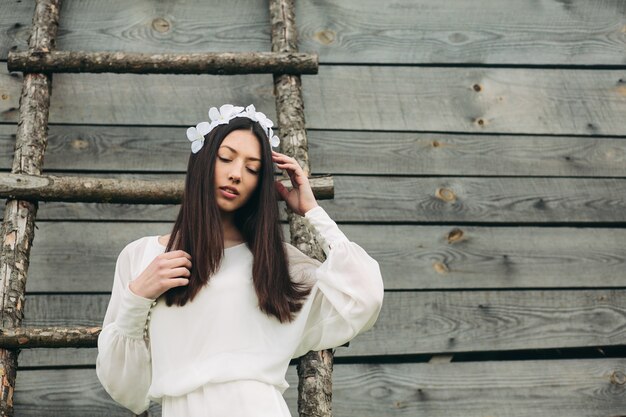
pixel 198 229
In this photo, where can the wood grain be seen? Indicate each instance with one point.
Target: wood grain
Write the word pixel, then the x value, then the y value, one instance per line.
pixel 424 200
pixel 410 257
pixel 581 388
pixel 573 32
pixel 475 100
pixel 432 322
pixel 166 149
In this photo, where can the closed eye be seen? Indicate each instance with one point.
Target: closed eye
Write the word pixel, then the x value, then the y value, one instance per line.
pixel 228 160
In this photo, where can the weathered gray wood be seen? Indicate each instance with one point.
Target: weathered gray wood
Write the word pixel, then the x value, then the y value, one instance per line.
pixel 425 200
pixel 494 100
pixel 141 148
pixel 401 153
pixel 440 321
pixel 559 388
pixel 576 32
pixel 144 63
pixel 112 190
pixel 410 257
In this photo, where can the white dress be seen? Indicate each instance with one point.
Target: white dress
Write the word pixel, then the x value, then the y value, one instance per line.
pixel 220 355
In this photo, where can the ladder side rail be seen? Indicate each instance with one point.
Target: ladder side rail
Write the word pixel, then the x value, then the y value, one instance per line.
pixel 18 226
pixel 314 394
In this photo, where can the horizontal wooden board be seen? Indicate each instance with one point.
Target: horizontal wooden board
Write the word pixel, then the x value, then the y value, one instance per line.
pixel 493 100
pixel 576 32
pixel 141 149
pixel 392 199
pixel 558 388
pixel 410 257
pixel 433 321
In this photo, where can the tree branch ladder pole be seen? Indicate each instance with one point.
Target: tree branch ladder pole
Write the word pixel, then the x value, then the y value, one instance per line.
pixel 315 368
pixel 18 227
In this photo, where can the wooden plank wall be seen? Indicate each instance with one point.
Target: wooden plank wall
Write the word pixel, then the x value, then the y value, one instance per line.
pixel 479 155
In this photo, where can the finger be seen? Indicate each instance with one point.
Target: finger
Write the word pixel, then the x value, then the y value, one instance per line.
pixel 176 254
pixel 174 263
pixel 178 273
pixel 178 282
pixel 293 165
pixel 293 170
pixel 283 157
pixel 290 171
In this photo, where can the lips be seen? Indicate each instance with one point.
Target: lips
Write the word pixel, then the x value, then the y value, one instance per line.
pixel 230 190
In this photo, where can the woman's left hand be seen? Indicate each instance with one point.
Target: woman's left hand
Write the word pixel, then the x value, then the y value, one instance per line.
pixel 300 198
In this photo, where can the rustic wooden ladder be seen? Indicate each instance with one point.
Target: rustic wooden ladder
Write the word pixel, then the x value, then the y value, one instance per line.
pixel 24 187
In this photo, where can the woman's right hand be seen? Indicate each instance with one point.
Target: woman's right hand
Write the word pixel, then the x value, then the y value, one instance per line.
pixel 167 270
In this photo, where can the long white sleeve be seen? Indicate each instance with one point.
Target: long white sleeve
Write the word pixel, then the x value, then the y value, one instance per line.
pixel 348 289
pixel 123 364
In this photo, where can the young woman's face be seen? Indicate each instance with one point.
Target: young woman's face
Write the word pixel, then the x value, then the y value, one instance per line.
pixel 238 165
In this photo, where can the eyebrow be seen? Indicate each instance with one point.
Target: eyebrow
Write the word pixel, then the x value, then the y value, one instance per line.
pixel 250 158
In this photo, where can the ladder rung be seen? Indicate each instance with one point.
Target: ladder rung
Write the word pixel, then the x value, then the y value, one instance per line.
pixel 113 190
pixel 53 337
pixel 221 63
pixel 49 337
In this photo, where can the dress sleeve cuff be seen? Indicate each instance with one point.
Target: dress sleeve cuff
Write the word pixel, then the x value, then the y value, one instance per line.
pixel 328 232
pixel 133 313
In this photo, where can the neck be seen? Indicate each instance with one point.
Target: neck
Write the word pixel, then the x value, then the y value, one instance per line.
pixel 231 233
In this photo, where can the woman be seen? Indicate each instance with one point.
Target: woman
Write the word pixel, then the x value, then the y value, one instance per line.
pixel 205 320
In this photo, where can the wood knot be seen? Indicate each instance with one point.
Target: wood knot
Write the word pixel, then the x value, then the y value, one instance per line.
pixel 618 378
pixel 161 25
pixel 436 144
pixel 480 122
pixel 441 268
pixel 477 88
pixel 455 235
pixel 325 37
pixel 445 194
pixel 79 143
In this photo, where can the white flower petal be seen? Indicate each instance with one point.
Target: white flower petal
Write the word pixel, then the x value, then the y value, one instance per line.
pixel 197 145
pixel 226 109
pixel 192 134
pixel 203 128
pixel 214 114
pixel 275 141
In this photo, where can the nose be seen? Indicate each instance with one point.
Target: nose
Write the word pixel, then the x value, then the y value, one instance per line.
pixel 234 176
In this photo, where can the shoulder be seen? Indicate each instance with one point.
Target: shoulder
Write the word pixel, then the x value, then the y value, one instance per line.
pixel 135 246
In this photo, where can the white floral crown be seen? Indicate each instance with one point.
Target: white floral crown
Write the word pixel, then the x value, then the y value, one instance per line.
pixel 226 113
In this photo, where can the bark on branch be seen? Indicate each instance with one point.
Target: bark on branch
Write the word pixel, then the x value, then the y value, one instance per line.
pixel 18 226
pixel 112 190
pixel 220 63
pixel 314 368
pixel 49 337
